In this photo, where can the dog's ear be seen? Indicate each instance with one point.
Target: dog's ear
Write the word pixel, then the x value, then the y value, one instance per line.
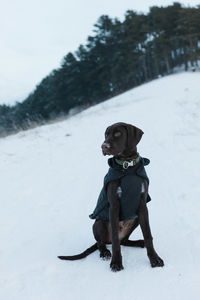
pixel 134 135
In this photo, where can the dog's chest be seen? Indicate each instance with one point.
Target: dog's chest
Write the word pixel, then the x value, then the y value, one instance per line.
pixel 128 192
pixel 119 190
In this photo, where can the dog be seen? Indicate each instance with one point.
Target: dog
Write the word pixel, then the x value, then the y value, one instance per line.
pixel 122 203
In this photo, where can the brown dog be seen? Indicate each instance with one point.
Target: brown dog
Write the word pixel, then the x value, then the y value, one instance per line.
pixel 121 205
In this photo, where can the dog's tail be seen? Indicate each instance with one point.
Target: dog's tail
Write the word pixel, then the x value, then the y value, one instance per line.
pixel 81 255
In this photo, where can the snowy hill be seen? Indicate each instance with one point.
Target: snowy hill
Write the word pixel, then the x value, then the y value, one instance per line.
pixel 45 200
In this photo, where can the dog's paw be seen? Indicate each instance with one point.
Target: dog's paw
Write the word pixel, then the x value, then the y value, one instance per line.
pixel 116 266
pixel 105 255
pixel 156 261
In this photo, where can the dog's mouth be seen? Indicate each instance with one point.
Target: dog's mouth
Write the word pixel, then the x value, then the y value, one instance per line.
pixel 107 150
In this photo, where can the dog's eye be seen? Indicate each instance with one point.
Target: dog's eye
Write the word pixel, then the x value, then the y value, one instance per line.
pixel 117 134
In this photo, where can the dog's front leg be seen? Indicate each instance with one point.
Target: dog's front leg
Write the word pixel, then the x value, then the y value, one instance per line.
pixel 113 198
pixel 155 260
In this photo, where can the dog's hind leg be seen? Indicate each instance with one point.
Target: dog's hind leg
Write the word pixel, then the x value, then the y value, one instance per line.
pixel 129 243
pixel 100 231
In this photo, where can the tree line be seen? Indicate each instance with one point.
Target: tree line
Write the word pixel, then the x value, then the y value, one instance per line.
pixel 117 57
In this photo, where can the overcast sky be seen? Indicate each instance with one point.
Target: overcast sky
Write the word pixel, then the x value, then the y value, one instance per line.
pixel 36 34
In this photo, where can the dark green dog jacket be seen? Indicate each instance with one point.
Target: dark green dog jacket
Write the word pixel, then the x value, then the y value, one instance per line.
pixel 131 186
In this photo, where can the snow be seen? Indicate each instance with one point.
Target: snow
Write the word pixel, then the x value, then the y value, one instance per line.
pixel 47 195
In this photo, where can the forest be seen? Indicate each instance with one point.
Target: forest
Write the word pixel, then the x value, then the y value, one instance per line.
pixel 118 56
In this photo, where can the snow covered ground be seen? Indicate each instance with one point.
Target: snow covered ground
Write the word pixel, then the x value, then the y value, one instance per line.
pixel 45 200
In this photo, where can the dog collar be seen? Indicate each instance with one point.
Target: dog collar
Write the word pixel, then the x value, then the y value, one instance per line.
pixel 127 164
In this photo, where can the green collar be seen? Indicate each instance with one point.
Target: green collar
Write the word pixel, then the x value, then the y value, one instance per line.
pixel 127 164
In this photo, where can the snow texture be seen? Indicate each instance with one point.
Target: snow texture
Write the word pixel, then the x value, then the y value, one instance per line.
pixel 45 200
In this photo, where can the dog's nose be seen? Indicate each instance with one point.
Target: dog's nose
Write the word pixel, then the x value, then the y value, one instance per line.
pixel 105 146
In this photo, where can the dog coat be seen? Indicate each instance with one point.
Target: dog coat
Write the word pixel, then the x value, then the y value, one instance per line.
pixel 130 193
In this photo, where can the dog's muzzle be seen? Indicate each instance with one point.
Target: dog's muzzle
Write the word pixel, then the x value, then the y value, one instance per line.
pixel 105 148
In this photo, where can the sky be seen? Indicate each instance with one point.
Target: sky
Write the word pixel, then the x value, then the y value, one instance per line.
pixel 35 36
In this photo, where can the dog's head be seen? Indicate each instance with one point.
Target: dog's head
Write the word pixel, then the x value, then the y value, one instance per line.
pixel 121 139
